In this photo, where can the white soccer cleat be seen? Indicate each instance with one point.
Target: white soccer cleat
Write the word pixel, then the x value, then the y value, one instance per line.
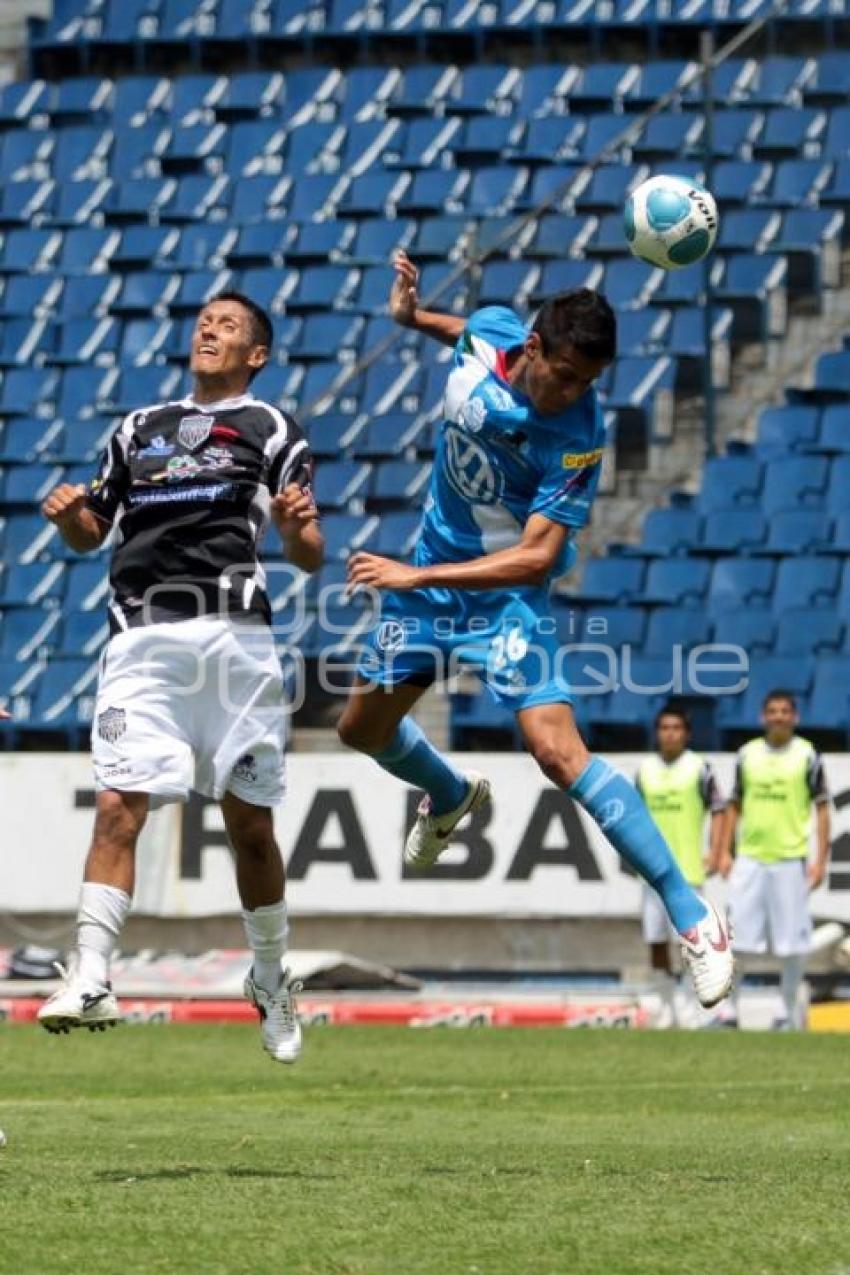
pixel 707 952
pixel 279 1026
pixel 79 1003
pixel 430 835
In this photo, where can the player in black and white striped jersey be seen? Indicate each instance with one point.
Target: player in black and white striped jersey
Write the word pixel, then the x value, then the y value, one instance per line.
pixel 190 690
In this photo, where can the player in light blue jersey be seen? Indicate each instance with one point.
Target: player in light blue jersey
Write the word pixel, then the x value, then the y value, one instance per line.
pixel 515 473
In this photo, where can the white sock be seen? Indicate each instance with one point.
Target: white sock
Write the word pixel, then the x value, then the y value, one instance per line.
pixel 792 986
pixel 100 919
pixel 267 930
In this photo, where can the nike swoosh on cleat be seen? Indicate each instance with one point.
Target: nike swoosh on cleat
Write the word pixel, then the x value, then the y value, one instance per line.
pixel 723 944
pixel 89 1001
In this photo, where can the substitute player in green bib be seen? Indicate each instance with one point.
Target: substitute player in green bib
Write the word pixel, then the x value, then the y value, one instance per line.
pixel 680 789
pixel 778 780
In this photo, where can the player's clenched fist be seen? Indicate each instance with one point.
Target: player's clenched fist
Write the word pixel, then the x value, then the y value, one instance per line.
pixel 381 573
pixel 293 508
pixel 64 502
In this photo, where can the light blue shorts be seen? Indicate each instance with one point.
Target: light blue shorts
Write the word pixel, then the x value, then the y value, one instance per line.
pixel 508 638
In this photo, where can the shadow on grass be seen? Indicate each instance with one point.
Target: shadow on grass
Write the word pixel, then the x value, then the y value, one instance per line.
pixel 185 1171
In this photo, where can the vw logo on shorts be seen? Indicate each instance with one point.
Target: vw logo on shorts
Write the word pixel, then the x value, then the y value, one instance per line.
pixel 469 470
pixel 611 813
pixel 390 636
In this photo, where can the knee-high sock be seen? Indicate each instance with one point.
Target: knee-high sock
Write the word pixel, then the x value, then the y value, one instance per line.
pixel 793 968
pixel 412 757
pixel 267 930
pixel 617 807
pixel 100 919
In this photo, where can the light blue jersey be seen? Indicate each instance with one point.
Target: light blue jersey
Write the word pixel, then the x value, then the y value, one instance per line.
pixel 497 463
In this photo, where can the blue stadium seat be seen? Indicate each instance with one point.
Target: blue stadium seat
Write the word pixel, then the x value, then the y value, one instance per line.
pixel 27 391
pixel 794 483
pixel 790 131
pixel 136 198
pixel 654 80
pixel 810 240
pixel 670 531
pixel 739 181
pixel 829 705
pixel 30 484
pixel 748 230
pixel 552 185
pixel 197 289
pixel 636 385
pixel 25 155
pixel 86 585
pixel 323 336
pixel 143 385
pixel 88 295
pixel 23 249
pixel 787 428
pixel 386 436
pixel 836 142
pixel 550 139
pixel 144 247
pixel 732 78
pixel 78 442
pixel 544 89
pixel 83 633
pixel 506 282
pixel 609 580
pixel 609 186
pixel 80 390
pixel 139 153
pixel 781 80
pixel 483 88
pixel 396 534
pixel 807 632
pixel 676 582
pixel 21 440
pixel 755 287
pixel 615 626
pixel 345 533
pixel 798 531
pixel 834 436
pixel 643 332
pixel 87 340
pixel 26 341
pixel 830 84
pixel 65 693
pixel 338 482
pixel 630 284
pixel 26 295
pixel 753 630
pixel 832 378
pixel 806 582
pixel 423 142
pixel 249 93
pixel 602 134
pixel 675 626
pixel 838 189
pixel 21 100
pixel 145 292
pixel 322 288
pixel 733 531
pixel 271 289
pixel 668 135
pixel 27 634
pixel 366 90
pixel 398 483
pixel 137 98
pixel 377 239
pixel 735 131
pixel 602 86
pixel 739 584
pixel 423 88
pixel 79 100
pixel 32 584
pixel 26 203
pixel 796 182
pixel 82 153
pixel 485 139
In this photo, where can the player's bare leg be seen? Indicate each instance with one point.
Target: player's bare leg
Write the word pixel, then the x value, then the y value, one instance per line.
pixel 553 739
pixel 260 881
pixel 376 722
pixel 85 998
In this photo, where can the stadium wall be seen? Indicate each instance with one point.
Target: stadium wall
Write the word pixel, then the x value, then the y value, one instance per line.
pixel 532 886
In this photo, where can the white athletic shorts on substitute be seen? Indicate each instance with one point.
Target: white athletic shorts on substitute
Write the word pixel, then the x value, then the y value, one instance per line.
pixel 657 926
pixel 769 907
pixel 194 704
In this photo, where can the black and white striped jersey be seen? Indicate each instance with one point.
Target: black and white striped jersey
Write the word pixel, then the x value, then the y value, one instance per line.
pixel 186 488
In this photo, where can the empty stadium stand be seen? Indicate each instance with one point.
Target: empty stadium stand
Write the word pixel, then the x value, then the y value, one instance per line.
pixel 126 200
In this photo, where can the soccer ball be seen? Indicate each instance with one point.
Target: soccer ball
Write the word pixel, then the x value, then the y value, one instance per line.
pixel 670 222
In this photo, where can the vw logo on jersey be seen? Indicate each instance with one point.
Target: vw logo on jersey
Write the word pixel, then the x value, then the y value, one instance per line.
pixel 194 430
pixel 390 636
pixel 469 469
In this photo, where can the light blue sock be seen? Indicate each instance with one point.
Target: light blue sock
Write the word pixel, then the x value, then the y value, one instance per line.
pixel 411 757
pixel 619 810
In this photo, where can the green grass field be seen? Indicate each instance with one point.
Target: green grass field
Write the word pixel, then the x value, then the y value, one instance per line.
pixel 390 1150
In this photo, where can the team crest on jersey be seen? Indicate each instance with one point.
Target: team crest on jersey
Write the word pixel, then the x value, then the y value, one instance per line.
pixel 390 636
pixel 194 430
pixel 470 471
pixel 111 724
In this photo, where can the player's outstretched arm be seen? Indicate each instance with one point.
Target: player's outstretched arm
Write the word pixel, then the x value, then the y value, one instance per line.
pixel 529 562
pixel 81 530
pixel 297 519
pixel 405 308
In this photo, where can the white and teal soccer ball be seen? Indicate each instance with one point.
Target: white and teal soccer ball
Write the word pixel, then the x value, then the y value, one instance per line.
pixel 670 222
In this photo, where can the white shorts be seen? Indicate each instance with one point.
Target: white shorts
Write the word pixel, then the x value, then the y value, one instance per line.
pixel 657 926
pixel 769 907
pixel 197 704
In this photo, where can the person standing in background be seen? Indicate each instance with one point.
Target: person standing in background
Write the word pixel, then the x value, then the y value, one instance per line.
pixel 680 789
pixel 779 779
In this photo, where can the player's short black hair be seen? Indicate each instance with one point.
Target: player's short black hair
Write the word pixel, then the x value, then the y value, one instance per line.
pixel 262 327
pixel 674 710
pixel 581 318
pixel 779 692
